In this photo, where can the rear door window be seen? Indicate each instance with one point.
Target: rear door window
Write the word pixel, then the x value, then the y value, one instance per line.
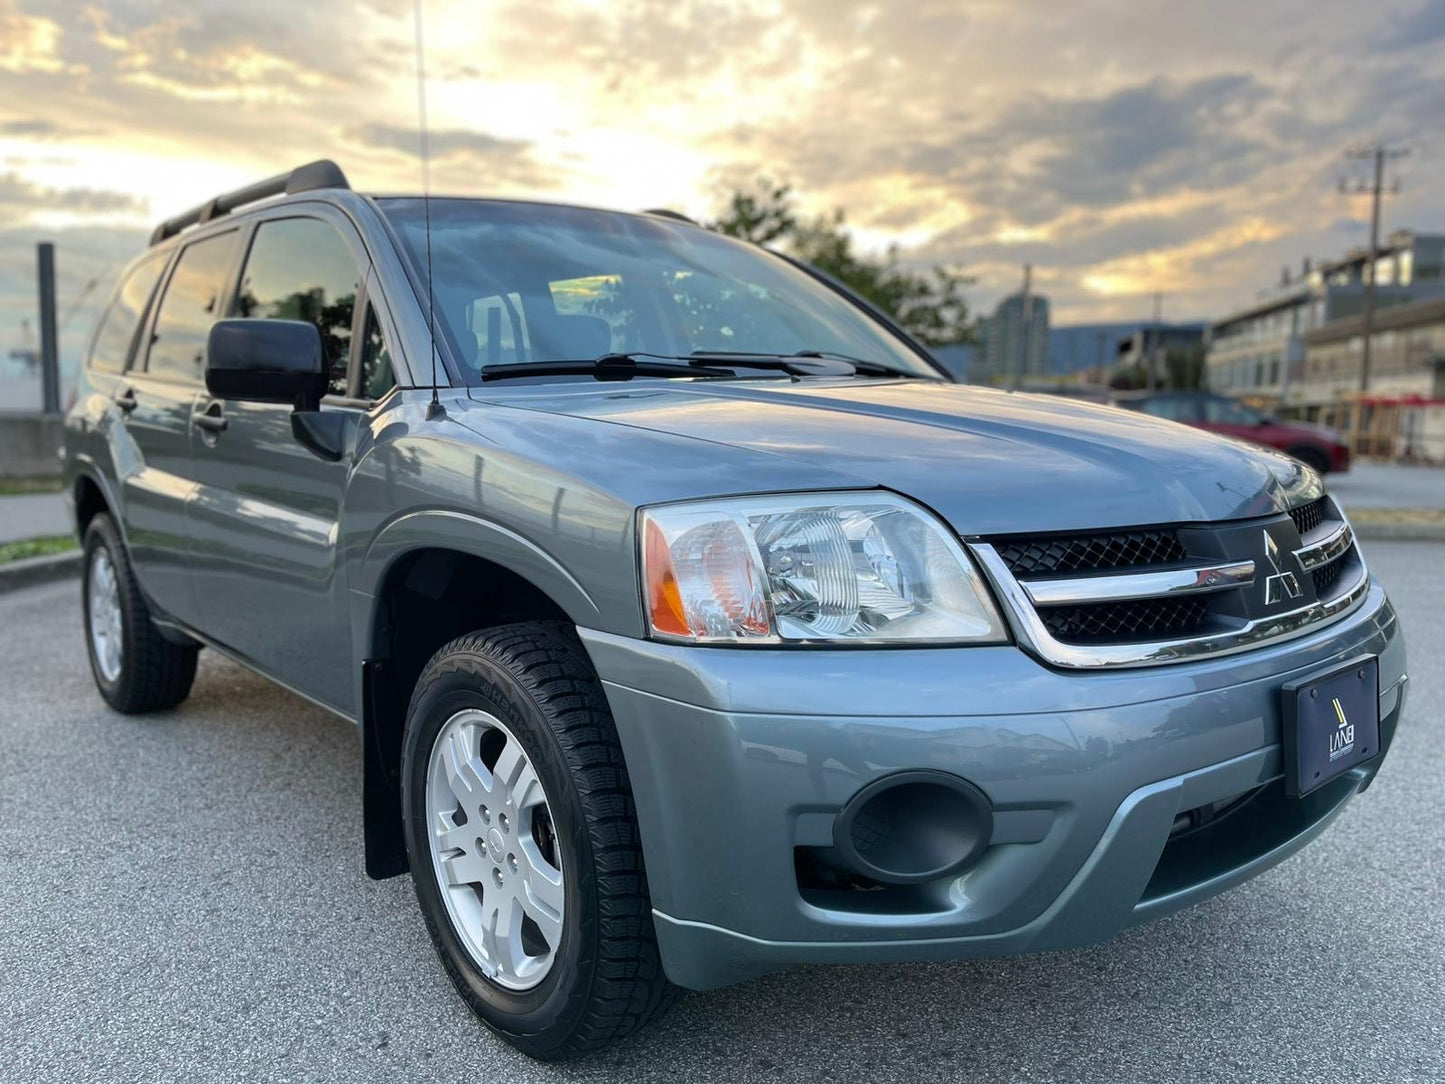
pixel 192 303
pixel 115 337
pixel 303 269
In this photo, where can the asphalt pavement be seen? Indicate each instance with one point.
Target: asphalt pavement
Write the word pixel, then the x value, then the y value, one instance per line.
pixel 1389 485
pixel 182 898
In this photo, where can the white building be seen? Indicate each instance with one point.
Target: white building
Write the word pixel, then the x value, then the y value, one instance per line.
pixel 1259 351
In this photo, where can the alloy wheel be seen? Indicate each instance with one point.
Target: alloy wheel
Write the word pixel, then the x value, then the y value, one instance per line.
pixel 494 849
pixel 103 609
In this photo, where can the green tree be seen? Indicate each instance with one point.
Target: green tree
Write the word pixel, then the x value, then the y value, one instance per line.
pixel 929 304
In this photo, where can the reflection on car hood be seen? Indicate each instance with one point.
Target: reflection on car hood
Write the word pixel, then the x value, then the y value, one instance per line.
pixel 989 462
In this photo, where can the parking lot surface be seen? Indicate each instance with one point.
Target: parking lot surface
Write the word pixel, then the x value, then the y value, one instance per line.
pixel 182 898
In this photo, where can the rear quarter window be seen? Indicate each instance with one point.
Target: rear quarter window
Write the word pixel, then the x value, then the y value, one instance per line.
pixel 115 337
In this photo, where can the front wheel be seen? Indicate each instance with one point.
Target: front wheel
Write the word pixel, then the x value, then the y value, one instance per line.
pixel 523 842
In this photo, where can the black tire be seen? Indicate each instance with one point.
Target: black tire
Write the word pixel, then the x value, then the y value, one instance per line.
pixel 606 980
pixel 1313 458
pixel 155 674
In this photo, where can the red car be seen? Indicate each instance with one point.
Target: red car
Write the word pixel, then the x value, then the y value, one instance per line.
pixel 1316 445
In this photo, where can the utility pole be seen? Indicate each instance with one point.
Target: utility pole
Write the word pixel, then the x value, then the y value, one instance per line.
pixel 1017 366
pixel 1380 154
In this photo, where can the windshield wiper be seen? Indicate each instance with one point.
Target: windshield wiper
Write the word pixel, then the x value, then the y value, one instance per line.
pixel 625 366
pixel 607 367
pixel 791 362
pixel 862 365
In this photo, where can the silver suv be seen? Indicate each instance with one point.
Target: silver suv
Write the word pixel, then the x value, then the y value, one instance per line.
pixel 693 623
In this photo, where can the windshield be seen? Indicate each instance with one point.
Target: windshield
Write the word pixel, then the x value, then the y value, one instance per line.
pixel 527 282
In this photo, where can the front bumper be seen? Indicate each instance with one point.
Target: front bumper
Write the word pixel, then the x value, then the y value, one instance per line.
pixel 740 758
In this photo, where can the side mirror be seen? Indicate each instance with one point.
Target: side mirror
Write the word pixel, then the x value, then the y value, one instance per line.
pixel 266 361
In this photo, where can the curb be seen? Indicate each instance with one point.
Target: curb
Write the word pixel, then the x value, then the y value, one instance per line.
pixel 36 570
pixel 1399 532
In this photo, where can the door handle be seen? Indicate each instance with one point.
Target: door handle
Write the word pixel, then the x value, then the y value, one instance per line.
pixel 211 419
pixel 124 398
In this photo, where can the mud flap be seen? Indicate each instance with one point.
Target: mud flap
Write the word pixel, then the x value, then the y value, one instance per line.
pixel 380 780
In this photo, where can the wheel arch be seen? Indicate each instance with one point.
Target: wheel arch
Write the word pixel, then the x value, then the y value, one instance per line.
pixel 428 579
pixel 91 496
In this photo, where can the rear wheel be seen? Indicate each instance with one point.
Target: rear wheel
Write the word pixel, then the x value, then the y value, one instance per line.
pixel 136 669
pixel 523 842
pixel 1313 458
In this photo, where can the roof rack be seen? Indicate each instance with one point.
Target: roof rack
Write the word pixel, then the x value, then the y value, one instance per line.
pixel 322 174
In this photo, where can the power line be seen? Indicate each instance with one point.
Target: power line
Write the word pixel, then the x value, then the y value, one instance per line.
pixel 79 301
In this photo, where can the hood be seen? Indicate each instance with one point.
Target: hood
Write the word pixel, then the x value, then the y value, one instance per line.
pixel 989 462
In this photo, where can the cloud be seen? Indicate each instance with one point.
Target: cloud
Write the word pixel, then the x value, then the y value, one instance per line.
pixel 34 128
pixel 1424 25
pixel 1119 147
pixel 1142 141
pixel 19 194
pixel 29 43
pixel 507 161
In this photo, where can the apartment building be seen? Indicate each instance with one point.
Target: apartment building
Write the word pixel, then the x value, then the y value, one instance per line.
pixel 1259 351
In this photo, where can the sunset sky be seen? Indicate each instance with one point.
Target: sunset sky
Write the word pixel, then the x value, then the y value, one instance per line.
pixel 1121 147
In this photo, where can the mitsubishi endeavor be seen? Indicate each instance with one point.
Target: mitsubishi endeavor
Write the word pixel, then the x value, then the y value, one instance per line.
pixel 694 624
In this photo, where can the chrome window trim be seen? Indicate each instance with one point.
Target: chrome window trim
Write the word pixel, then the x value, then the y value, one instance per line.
pixel 1122 587
pixel 1033 635
pixel 1332 545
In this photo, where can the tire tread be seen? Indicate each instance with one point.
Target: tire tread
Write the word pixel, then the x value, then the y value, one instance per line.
pixel 156 675
pixel 629 986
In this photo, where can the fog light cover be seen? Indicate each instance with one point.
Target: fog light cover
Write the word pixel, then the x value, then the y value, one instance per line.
pixel 912 827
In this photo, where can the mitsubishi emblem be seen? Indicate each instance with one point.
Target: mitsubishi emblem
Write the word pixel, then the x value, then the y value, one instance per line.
pixel 1281 585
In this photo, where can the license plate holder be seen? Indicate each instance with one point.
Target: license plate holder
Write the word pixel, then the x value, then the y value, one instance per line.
pixel 1331 723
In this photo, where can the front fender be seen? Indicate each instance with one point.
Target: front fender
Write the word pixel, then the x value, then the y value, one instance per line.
pixel 445 529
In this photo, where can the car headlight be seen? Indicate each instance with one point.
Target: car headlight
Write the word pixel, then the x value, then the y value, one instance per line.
pixel 832 567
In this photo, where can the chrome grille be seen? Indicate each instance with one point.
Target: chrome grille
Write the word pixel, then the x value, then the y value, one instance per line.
pixel 1156 595
pixel 1327 576
pixel 1078 553
pixel 1307 517
pixel 1120 622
